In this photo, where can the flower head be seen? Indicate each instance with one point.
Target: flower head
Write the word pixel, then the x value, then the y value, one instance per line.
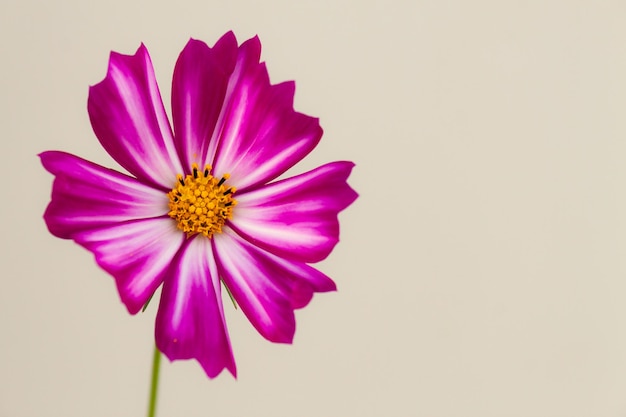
pixel 201 206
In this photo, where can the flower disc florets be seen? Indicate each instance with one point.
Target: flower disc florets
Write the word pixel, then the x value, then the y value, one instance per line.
pixel 201 203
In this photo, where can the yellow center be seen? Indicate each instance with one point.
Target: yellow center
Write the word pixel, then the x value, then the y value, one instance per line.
pixel 201 203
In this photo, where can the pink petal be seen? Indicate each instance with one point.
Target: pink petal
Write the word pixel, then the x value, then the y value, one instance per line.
pixel 137 254
pixel 306 281
pixel 128 117
pixel 260 135
pixel 198 91
pixel 266 287
pixel 190 322
pixel 87 196
pixel 296 218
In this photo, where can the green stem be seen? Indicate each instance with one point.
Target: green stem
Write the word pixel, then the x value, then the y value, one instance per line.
pixel 156 361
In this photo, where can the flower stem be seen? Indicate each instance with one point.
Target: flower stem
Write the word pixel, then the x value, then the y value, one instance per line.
pixel 156 362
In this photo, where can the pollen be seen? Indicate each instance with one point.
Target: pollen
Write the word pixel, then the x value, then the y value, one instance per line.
pixel 201 203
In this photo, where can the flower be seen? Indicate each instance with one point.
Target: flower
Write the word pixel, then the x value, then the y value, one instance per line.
pixel 203 205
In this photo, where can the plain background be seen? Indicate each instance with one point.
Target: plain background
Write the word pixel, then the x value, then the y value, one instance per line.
pixel 481 273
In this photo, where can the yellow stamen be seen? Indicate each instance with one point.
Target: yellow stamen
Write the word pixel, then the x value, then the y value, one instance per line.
pixel 200 203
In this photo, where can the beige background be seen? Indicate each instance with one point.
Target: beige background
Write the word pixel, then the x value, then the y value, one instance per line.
pixel 482 272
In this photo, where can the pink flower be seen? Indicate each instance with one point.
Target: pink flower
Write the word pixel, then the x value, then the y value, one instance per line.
pixel 200 207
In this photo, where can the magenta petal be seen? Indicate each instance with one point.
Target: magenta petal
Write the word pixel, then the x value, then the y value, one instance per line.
pixel 266 287
pixel 260 134
pixel 296 218
pixel 127 116
pixel 305 281
pixel 137 254
pixel 198 90
pixel 190 322
pixel 87 196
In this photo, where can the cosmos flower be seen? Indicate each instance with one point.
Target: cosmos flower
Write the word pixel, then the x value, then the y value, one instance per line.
pixel 202 206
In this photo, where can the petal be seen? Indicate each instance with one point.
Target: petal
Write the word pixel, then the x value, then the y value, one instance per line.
pixel 306 281
pixel 260 135
pixel 190 322
pixel 128 117
pixel 296 218
pixel 266 287
pixel 198 91
pixel 137 254
pixel 87 196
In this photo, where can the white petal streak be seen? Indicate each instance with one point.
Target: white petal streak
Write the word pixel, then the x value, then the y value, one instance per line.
pixel 136 253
